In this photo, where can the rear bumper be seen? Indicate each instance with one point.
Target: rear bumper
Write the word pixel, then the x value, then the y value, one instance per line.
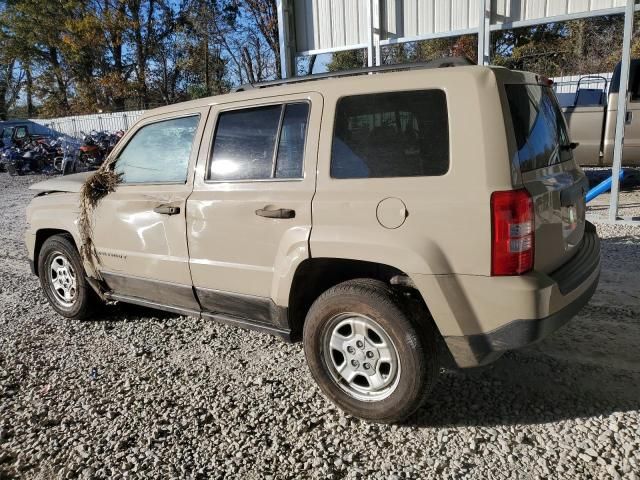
pixel 481 349
pixel 481 317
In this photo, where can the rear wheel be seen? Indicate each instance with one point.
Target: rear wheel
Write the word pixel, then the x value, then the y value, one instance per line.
pixel 63 279
pixel 366 352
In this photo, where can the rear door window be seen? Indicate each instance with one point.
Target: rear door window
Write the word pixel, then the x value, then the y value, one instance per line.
pixel 540 132
pixel 395 134
pixel 260 143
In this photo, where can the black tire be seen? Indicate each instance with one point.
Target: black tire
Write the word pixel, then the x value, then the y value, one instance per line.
pixel 84 298
pixel 413 340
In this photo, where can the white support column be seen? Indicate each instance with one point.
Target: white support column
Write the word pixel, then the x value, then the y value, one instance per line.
pixel 377 31
pixel 370 36
pixel 487 33
pixel 482 27
pixel 284 33
pixel 484 18
pixel 622 109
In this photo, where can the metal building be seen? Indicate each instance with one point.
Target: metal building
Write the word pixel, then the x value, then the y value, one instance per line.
pixel 311 27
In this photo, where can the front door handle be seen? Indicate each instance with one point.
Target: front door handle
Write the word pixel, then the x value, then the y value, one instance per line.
pixel 629 118
pixel 167 210
pixel 278 213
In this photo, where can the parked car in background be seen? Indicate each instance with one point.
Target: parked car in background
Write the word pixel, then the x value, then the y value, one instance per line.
pixel 391 221
pixel 22 147
pixel 17 132
pixel 592 119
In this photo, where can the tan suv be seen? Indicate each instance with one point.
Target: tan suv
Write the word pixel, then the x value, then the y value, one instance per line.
pixel 372 215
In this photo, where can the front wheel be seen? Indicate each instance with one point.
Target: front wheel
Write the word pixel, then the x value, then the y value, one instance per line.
pixel 63 280
pixel 367 353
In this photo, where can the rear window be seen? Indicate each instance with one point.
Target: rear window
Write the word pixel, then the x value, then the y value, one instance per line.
pixel 539 127
pixel 396 134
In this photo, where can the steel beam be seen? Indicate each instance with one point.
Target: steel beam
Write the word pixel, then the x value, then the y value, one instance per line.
pixel 484 33
pixel 287 59
pixel 370 34
pixel 429 36
pixel 320 51
pixel 377 32
pixel 559 18
pixel 621 114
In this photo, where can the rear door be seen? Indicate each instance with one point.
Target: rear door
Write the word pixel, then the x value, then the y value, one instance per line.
pixel 249 216
pixel 544 159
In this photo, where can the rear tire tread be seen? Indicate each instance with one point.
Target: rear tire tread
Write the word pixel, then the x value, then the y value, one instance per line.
pixel 418 337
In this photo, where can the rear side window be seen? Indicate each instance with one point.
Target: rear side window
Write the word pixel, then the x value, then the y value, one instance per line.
pixel 260 143
pixel 396 134
pixel 538 126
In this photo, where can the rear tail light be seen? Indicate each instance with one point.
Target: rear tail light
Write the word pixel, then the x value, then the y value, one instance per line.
pixel 512 232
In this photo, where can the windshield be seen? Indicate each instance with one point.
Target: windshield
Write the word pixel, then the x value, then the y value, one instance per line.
pixel 539 127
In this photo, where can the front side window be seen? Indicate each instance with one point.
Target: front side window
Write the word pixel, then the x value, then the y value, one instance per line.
pixel 159 152
pixel 395 134
pixel 260 143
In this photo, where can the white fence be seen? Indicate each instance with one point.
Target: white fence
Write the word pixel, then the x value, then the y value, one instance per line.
pixel 74 126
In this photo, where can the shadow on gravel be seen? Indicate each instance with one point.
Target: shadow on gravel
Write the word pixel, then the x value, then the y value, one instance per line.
pixel 125 312
pixel 521 389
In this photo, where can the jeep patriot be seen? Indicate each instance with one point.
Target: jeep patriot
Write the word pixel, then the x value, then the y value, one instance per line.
pixel 391 221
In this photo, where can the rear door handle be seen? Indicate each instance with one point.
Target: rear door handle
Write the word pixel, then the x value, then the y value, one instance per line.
pixel 279 213
pixel 167 210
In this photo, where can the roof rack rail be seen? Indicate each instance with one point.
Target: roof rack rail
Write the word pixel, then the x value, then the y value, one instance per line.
pixel 437 63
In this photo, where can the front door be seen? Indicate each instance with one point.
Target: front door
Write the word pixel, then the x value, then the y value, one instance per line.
pixel 139 230
pixel 249 216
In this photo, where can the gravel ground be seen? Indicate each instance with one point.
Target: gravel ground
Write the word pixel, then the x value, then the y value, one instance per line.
pixel 137 393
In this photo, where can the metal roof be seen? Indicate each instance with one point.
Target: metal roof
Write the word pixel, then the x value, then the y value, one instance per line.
pixel 331 25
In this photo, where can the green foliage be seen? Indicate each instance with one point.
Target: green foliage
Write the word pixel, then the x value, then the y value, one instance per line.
pixel 347 60
pixel 80 56
pixel 577 47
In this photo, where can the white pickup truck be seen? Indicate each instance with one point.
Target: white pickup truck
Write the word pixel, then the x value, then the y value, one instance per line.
pixel 592 120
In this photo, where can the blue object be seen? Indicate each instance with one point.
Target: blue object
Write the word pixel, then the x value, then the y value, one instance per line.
pixel 602 187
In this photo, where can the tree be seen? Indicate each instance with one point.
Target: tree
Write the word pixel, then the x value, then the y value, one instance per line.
pixel 36 30
pixel 205 67
pixel 347 60
pixel 541 48
pixel 265 16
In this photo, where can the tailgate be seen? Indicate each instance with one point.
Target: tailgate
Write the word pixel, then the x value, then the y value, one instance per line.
pixel 549 173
